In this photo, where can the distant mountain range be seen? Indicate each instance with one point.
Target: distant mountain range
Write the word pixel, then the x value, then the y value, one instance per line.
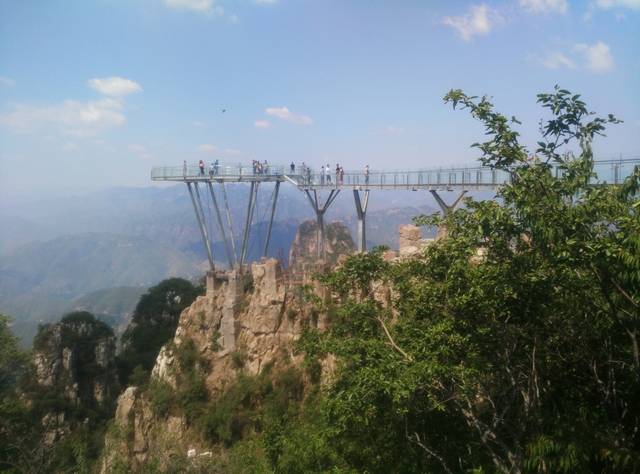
pixel 101 250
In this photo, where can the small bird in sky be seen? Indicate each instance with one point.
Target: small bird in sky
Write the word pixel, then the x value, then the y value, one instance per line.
pixel 224 110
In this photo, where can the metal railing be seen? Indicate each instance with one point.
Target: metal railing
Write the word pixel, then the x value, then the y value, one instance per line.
pixel 469 177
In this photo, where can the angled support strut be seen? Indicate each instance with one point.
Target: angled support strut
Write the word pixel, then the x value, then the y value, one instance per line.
pixel 447 208
pixel 320 210
pixel 230 255
pixel 253 194
pixel 273 211
pixel 197 206
pixel 230 223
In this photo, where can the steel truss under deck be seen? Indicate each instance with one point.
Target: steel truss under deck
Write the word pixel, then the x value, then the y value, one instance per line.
pixel 460 179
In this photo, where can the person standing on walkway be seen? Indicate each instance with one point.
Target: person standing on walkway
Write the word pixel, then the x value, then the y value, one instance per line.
pixel 327 171
pixel 201 166
pixel 366 175
pixel 292 167
pixel 322 174
pixel 341 175
pixel 212 168
pixel 216 167
pixel 184 169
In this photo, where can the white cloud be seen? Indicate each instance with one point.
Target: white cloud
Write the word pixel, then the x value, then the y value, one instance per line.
pixel 114 86
pixel 556 60
pixel 266 2
pixel 606 4
pixel 140 151
pixel 285 114
pixel 7 81
pixel 231 152
pixel 597 57
pixel 70 117
pixel 207 148
pixel 208 7
pixel 199 124
pixel 545 6
pixel 261 124
pixel 479 20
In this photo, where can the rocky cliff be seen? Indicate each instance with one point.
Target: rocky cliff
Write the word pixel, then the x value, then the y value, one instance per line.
pixel 74 364
pixel 245 324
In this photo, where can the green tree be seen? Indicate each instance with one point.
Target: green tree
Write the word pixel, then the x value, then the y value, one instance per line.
pixel 511 344
pixel 154 323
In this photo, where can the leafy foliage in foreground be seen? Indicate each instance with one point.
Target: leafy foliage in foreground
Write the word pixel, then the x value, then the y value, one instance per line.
pixel 511 345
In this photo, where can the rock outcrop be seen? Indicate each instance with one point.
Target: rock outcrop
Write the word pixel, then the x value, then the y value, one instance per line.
pixel 411 241
pixel 304 249
pixel 75 359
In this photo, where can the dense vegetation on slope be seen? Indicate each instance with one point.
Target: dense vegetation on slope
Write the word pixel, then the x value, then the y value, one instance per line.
pixel 153 324
pixel 509 346
pixel 53 419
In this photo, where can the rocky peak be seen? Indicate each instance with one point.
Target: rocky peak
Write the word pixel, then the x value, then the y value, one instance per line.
pixel 76 356
pixel 303 252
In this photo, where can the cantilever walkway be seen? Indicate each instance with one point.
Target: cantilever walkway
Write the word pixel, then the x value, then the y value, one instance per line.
pixel 461 179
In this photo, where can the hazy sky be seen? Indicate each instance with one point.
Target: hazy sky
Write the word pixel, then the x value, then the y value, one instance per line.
pixel 94 93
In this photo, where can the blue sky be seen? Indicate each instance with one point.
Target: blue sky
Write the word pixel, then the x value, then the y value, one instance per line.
pixel 94 93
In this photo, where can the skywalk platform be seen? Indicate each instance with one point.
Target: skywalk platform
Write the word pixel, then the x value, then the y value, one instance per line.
pixel 461 179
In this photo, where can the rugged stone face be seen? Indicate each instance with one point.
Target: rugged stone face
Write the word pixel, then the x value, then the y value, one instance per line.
pixel 74 358
pixel 303 252
pixel 411 240
pixel 244 322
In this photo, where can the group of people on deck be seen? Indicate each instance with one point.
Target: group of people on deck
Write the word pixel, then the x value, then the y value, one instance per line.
pixel 305 171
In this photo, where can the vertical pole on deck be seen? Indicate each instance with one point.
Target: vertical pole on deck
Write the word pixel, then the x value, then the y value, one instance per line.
pixel 230 256
pixel 197 206
pixel 230 223
pixel 273 211
pixel 361 209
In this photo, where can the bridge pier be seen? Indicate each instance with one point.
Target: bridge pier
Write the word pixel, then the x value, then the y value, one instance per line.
pixel 361 209
pixel 197 206
pixel 320 210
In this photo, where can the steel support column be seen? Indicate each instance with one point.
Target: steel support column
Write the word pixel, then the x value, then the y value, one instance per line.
pixel 230 255
pixel 446 208
pixel 273 211
pixel 197 206
pixel 253 192
pixel 320 210
pixel 361 209
pixel 230 223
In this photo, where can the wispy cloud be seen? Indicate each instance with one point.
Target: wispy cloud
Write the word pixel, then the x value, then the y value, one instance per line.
pixel 261 124
pixel 545 6
pixel 478 21
pixel 73 117
pixel 607 4
pixel 207 148
pixel 556 60
pixel 597 57
pixel 140 151
pixel 266 2
pixel 285 114
pixel 114 86
pixel 201 6
pixel 7 81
